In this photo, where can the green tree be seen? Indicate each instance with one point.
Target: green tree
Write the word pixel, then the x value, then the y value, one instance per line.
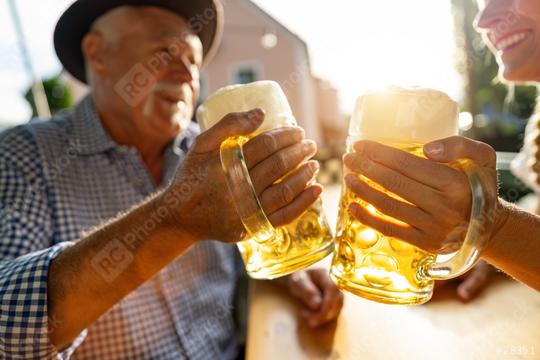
pixel 59 95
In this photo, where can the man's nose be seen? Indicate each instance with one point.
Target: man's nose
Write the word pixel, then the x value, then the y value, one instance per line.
pixel 182 69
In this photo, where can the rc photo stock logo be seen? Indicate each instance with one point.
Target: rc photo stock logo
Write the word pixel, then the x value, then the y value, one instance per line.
pixel 142 77
pixel 136 84
pixel 114 258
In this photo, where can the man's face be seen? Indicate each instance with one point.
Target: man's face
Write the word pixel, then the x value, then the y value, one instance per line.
pixel 511 29
pixel 153 70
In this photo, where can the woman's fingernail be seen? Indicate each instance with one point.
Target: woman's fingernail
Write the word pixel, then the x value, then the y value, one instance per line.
pixel 434 148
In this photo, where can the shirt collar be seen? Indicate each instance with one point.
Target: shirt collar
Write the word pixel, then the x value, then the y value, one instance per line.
pixel 92 138
pixel 88 131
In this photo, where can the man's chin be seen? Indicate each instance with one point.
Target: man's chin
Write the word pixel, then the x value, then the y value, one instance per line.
pixel 182 121
pixel 174 113
pixel 168 125
pixel 166 117
pixel 171 125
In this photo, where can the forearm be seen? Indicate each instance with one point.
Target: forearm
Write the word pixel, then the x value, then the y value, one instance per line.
pixel 106 265
pixel 515 247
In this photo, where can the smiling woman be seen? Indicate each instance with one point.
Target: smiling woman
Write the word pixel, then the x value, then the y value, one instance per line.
pixel 511 30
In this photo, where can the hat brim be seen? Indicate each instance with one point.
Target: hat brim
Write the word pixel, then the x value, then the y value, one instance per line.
pixel 205 16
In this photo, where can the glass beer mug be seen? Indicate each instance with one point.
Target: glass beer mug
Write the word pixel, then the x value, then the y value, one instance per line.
pixel 386 269
pixel 267 252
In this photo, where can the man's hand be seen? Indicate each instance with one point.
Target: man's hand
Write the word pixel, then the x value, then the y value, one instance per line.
pixel 321 299
pixel 199 201
pixel 196 206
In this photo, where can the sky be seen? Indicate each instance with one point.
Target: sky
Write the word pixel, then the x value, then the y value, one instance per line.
pixel 355 44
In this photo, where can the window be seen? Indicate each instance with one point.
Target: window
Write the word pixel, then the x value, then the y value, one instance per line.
pixel 245 76
pixel 203 89
pixel 244 73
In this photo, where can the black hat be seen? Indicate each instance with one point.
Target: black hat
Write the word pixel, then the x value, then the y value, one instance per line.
pixel 205 16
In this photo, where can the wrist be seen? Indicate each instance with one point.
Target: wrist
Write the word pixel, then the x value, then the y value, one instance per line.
pixel 503 212
pixel 166 207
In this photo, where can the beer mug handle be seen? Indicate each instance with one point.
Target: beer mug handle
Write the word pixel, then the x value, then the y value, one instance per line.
pixel 243 192
pixel 480 226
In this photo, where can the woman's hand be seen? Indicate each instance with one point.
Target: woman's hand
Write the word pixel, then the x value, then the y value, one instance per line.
pixel 471 284
pixel 438 197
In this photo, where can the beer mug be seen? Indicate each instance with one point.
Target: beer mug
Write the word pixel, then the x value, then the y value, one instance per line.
pixel 267 252
pixel 386 269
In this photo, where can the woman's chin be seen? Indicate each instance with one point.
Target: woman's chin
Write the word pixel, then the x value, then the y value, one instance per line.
pixel 518 75
pixel 518 69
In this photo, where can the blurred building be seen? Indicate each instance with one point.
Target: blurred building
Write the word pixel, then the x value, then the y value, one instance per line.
pixel 255 47
pixel 332 123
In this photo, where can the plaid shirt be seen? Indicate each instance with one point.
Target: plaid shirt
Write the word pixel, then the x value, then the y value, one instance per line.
pixel 64 176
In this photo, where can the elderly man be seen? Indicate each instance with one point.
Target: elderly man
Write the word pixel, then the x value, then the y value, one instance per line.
pixel 107 212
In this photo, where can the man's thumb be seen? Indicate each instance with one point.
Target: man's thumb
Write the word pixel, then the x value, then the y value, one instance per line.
pixel 233 124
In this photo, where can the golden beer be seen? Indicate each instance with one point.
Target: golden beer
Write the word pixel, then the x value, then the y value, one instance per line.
pixel 267 252
pixel 301 243
pixel 386 269
pixel 372 265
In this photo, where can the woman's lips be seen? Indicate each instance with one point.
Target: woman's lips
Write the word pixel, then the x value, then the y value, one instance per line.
pixel 509 41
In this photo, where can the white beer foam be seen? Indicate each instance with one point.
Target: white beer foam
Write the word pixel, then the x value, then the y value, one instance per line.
pixel 266 95
pixel 404 114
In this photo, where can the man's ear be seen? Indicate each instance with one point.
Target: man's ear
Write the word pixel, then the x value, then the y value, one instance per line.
pixel 93 47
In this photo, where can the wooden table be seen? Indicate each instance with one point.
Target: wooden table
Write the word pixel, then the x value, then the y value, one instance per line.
pixel 504 323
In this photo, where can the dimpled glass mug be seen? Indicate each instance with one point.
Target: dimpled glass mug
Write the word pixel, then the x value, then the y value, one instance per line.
pixel 385 269
pixel 267 252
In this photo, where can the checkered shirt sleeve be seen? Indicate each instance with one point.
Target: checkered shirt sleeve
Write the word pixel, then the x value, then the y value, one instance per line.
pixel 26 251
